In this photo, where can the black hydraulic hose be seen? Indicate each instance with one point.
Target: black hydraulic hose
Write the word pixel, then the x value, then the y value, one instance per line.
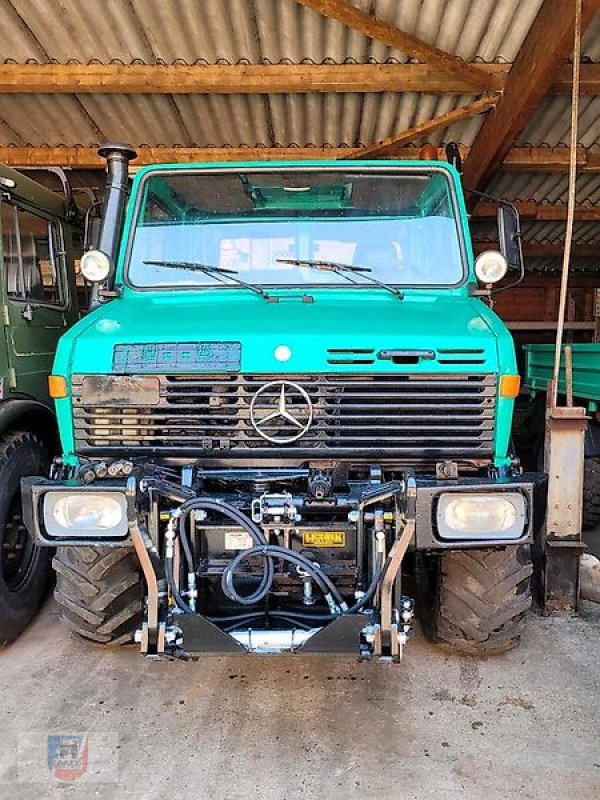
pixel 322 580
pixel 262 548
pixel 174 590
pixel 237 516
pixel 377 576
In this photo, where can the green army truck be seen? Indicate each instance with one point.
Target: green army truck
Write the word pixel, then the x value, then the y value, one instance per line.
pixel 288 416
pixel 38 303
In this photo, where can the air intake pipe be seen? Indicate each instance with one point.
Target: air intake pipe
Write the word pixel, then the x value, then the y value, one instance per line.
pixel 117 158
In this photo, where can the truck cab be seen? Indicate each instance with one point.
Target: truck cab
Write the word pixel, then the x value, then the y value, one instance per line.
pixel 291 394
pixel 40 241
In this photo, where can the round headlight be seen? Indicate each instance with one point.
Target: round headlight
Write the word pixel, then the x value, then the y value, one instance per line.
pixel 87 512
pixel 490 266
pixel 95 266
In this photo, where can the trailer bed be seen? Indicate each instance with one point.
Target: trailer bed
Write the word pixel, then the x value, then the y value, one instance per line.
pixel 539 364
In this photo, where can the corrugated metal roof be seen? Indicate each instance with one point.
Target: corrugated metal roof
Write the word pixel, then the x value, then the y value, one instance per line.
pixel 550 266
pixel 545 187
pixel 251 30
pixel 551 123
pixel 540 232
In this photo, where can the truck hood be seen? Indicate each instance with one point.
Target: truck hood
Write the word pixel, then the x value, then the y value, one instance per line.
pixel 337 331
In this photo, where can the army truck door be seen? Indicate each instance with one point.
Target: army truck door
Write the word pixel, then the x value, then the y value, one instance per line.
pixel 35 296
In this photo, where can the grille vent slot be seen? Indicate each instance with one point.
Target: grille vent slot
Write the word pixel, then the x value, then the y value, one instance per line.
pixel 461 356
pixel 351 355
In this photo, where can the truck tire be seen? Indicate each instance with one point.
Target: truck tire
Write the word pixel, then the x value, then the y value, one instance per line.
pixel 24 567
pixel 100 592
pixel 482 599
pixel 591 493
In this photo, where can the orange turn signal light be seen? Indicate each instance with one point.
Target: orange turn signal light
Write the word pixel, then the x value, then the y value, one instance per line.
pixel 57 386
pixel 510 385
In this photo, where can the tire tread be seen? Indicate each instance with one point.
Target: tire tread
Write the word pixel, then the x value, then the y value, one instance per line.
pixel 591 493
pixel 482 599
pixel 99 592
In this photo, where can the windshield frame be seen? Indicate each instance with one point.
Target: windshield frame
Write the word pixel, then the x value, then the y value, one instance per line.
pixel 365 168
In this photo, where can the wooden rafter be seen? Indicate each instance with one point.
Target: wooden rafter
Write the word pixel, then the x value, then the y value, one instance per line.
pixel 540 212
pixel 547 44
pixel 547 249
pixel 257 78
pixel 543 158
pixel 389 146
pixel 374 28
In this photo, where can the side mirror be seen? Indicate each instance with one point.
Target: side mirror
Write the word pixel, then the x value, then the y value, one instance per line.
pixel 509 236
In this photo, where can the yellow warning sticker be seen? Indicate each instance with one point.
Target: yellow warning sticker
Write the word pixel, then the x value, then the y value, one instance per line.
pixel 324 538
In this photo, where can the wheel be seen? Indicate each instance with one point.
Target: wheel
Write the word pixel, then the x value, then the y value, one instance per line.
pixel 100 592
pixel 591 493
pixel 481 599
pixel 24 567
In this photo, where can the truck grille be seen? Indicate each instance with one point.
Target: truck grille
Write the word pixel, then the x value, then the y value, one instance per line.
pixel 413 417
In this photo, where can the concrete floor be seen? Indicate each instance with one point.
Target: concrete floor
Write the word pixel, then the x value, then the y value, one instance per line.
pixel 522 725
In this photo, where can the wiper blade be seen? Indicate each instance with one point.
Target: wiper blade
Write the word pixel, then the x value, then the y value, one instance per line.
pixel 343 270
pixel 213 271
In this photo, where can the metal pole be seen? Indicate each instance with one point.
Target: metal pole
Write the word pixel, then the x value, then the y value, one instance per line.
pixel 571 201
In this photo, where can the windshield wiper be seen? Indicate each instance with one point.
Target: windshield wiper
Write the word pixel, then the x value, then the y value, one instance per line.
pixel 215 272
pixel 342 269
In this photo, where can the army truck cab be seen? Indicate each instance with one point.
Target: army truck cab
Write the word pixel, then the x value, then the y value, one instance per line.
pixel 40 234
pixel 288 416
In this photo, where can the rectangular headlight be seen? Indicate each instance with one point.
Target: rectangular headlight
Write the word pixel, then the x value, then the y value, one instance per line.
pixel 485 516
pixel 85 514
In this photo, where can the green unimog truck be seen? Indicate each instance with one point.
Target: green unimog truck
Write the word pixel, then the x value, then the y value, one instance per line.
pixel 40 240
pixel 288 416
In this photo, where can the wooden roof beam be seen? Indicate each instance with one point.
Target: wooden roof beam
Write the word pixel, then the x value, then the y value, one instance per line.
pixel 547 44
pixel 537 212
pixel 258 78
pixel 393 37
pixel 539 159
pixel 389 147
pixel 548 249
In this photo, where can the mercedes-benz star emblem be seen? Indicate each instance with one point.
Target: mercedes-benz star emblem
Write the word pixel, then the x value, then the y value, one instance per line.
pixel 281 412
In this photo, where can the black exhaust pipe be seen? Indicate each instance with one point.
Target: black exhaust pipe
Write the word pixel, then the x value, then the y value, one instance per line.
pixel 117 158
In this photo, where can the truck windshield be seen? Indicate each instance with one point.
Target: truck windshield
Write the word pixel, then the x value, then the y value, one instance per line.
pixel 267 225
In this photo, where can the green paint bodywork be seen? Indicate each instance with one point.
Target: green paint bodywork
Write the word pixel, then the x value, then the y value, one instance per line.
pixel 539 368
pixel 28 344
pixel 340 317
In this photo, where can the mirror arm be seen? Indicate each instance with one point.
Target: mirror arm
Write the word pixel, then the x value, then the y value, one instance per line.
pixel 499 201
pixel 514 283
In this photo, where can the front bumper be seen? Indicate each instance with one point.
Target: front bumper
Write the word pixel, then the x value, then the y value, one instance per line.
pixel 428 492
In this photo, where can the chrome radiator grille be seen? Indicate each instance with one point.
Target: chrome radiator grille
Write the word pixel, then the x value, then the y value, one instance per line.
pixel 401 416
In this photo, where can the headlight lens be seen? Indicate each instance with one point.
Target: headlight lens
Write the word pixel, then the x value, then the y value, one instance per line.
pixel 85 514
pixel 95 265
pixel 481 516
pixel 490 266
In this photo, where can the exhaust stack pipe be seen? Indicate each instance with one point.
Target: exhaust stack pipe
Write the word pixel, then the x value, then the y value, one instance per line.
pixel 117 158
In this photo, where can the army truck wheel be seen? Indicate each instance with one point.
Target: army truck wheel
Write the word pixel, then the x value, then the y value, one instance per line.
pixel 24 568
pixel 482 598
pixel 591 493
pixel 100 592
